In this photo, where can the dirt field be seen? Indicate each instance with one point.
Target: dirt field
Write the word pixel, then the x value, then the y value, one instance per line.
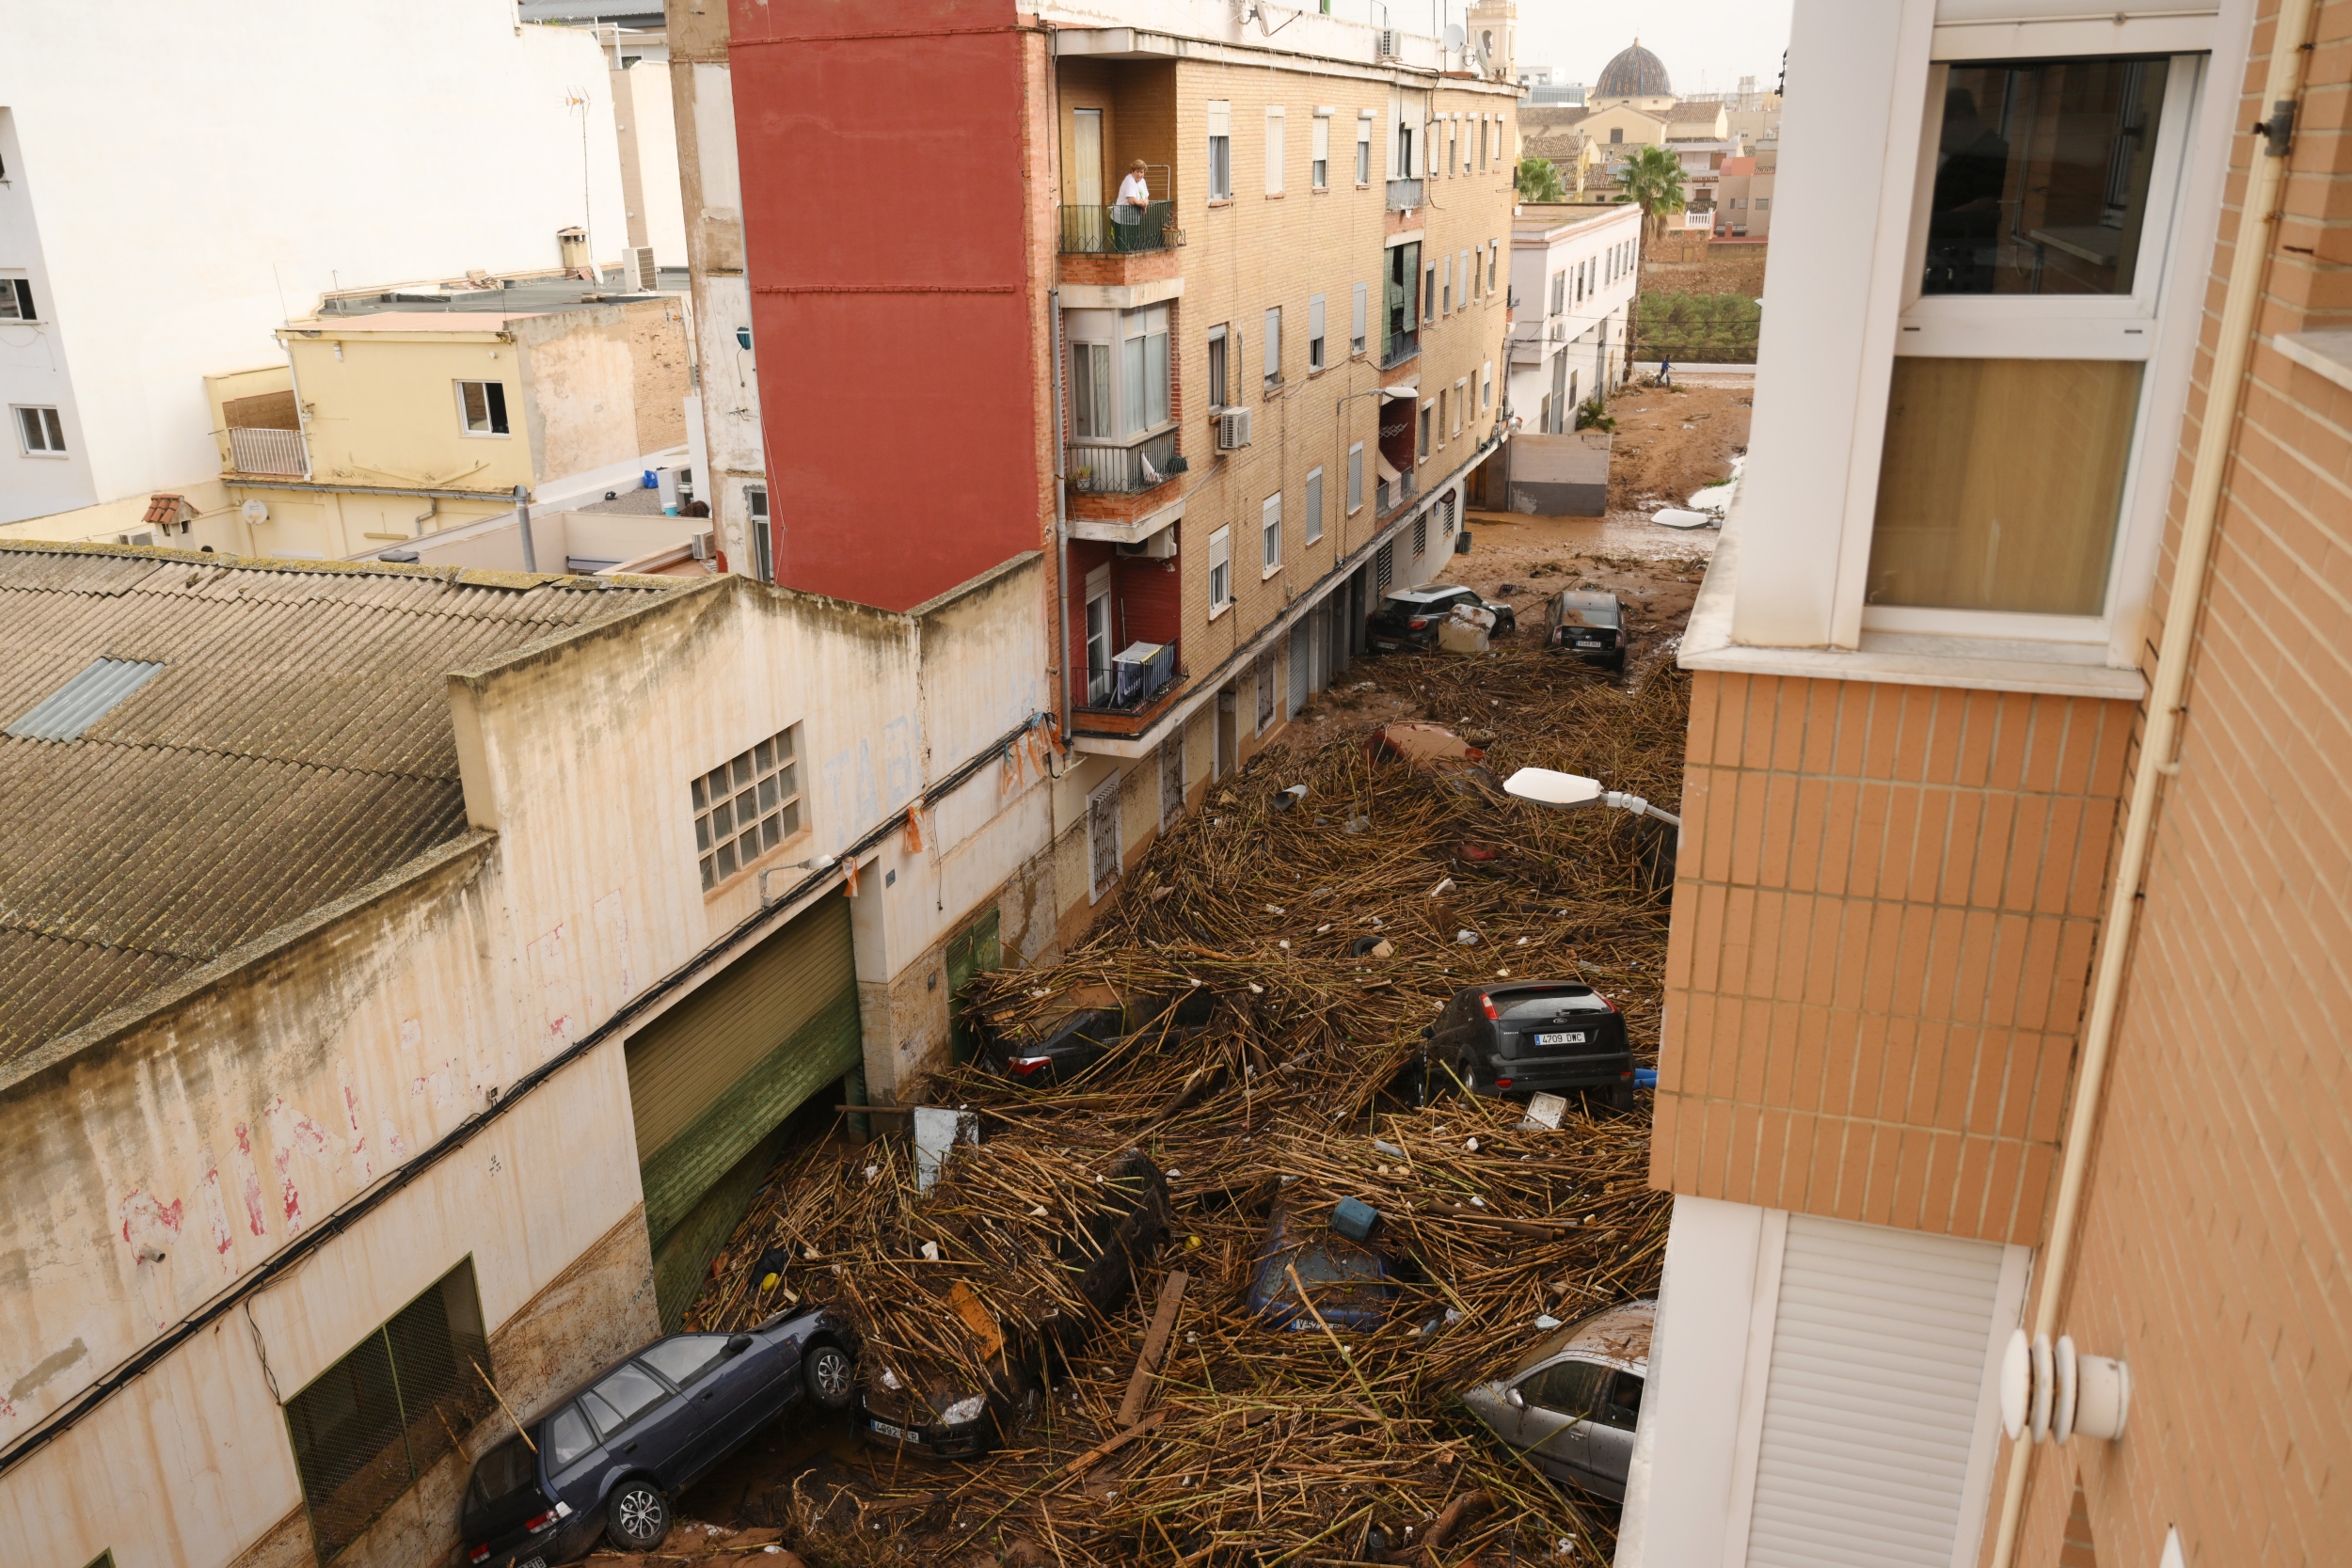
pixel 1705 269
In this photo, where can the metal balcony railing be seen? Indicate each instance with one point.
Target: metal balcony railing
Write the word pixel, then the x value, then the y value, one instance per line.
pixel 1399 347
pixel 1141 673
pixel 1391 494
pixel 1405 194
pixel 1105 230
pixel 267 451
pixel 1120 468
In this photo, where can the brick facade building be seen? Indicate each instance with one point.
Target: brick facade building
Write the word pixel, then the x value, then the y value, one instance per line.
pixel 2007 987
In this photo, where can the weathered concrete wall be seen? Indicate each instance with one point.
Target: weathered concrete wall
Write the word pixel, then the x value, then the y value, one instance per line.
pixel 580 389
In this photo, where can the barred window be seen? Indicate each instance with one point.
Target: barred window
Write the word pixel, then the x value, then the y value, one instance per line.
pixel 373 1422
pixel 746 807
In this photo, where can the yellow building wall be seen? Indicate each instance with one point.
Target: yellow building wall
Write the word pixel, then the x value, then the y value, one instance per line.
pixel 381 407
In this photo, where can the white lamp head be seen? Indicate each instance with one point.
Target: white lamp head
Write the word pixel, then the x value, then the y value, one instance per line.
pixel 1547 788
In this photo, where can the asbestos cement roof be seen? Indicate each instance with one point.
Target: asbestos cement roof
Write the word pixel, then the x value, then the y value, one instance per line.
pixel 294 745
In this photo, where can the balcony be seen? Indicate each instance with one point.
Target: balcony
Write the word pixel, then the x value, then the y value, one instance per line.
pixel 1104 231
pixel 1388 495
pixel 1121 468
pixel 1161 686
pixel 1405 194
pixel 1397 347
pixel 266 452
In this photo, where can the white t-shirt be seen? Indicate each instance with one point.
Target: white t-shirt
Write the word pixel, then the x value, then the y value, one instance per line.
pixel 1136 189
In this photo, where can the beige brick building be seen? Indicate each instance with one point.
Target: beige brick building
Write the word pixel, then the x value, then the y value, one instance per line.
pixel 2008 988
pixel 1273 382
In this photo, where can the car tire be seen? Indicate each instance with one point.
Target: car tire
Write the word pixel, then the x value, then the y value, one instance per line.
pixel 1621 1099
pixel 636 1515
pixel 1510 625
pixel 832 1382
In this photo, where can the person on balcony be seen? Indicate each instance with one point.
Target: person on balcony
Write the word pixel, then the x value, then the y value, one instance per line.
pixel 1135 200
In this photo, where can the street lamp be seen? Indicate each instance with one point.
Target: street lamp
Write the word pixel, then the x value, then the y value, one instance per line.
pixel 1567 791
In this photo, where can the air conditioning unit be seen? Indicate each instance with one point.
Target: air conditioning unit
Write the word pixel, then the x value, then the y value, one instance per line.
pixel 1232 430
pixel 1387 43
pixel 637 261
pixel 1159 545
pixel 702 546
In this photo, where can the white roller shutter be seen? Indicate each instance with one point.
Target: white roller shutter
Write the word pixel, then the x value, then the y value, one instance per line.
pixel 1878 1364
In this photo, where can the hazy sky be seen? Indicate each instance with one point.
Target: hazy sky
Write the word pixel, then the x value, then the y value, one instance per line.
pixel 1707 44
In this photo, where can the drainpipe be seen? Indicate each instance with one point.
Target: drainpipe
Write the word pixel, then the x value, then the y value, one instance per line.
pixel 1061 524
pixel 2233 347
pixel 522 519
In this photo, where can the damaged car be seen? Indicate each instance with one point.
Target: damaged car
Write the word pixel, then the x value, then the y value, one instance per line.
pixel 1530 1037
pixel 1588 625
pixel 1408 618
pixel 962 1408
pixel 1352 1284
pixel 1573 1402
pixel 1089 1022
pixel 611 1454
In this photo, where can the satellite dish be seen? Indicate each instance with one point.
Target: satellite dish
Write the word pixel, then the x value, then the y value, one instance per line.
pixel 254 511
pixel 1455 36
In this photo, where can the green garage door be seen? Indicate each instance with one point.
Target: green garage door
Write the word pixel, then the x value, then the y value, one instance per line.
pixel 711 1079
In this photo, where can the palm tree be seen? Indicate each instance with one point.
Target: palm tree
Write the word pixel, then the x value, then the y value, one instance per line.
pixel 1653 178
pixel 1539 181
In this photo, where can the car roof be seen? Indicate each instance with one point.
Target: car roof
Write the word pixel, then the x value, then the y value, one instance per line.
pixel 1438 590
pixel 1523 987
pixel 1615 1336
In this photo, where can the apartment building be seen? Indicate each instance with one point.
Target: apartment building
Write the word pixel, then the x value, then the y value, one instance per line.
pixel 119 296
pixel 468 946
pixel 1573 271
pixel 1232 410
pixel 1744 190
pixel 2006 1013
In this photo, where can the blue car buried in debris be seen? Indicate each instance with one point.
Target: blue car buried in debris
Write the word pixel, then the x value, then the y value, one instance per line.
pixel 1351 1284
pixel 611 1453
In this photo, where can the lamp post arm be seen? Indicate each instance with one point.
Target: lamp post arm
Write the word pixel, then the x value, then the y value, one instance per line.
pixel 1640 807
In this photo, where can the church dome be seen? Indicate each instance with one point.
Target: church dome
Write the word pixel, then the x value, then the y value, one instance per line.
pixel 1634 74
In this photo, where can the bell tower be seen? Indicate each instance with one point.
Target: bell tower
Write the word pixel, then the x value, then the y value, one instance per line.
pixel 1494 26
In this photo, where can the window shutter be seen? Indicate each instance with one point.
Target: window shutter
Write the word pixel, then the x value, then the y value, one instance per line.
pixel 1274 150
pixel 1355 322
pixel 1220 117
pixel 1877 1363
pixel 1314 317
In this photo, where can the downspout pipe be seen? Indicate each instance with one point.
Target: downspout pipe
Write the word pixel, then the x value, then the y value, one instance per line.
pixel 1061 522
pixel 2232 348
pixel 522 522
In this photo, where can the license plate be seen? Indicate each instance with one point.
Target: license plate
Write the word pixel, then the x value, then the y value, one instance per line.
pixel 1587 643
pixel 1560 1039
pixel 532 1563
pixel 900 1433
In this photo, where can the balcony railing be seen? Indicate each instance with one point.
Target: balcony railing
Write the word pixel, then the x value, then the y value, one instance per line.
pixel 1121 468
pixel 1405 194
pixel 1140 672
pixel 1105 230
pixel 1400 347
pixel 266 452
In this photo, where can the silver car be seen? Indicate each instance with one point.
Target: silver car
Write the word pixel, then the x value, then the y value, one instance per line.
pixel 1573 1402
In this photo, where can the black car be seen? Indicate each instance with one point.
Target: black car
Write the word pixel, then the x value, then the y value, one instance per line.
pixel 1531 1037
pixel 1409 617
pixel 1588 625
pixel 1098 1020
pixel 611 1453
pixel 953 1410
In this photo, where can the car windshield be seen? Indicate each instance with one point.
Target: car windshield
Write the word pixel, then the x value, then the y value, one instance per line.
pixel 503 1471
pixel 623 1395
pixel 1543 1007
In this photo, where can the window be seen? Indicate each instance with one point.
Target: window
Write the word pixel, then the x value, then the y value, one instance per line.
pixel 763 542
pixel 1314 333
pixel 1219 386
pixel 1428 418
pixel 1319 165
pixel 1098 635
pixel 1356 478
pixel 1091 389
pixel 746 807
pixel 1220 570
pixel 1446 298
pixel 1762 202
pixel 1616 134
pixel 1483 133
pixel 1274 149
pixel 1314 504
pixel 1270 535
pixel 1441 413
pixel 366 1428
pixel 1421 534
pixel 1102 836
pixel 1429 292
pixel 1571 1388
pixel 16 300
pixel 685 1358
pixel 2015 401
pixel 1355 319
pixel 1363 150
pixel 482 408
pixel 41 431
pixel 1143 355
pixel 1486 385
pixel 1220 149
pixel 1559 292
pixel 1384 566
pixel 1453 147
pixel 1263 678
pixel 1465 274
pixel 1274 347
pixel 1461 397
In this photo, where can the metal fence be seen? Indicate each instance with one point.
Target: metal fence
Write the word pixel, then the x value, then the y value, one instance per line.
pixel 1102 468
pixel 1095 230
pixel 267 451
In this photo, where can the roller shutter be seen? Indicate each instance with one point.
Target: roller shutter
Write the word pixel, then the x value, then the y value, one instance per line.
pixel 1877 1363
pixel 712 1077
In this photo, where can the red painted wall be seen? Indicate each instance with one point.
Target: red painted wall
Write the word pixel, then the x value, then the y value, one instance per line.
pixel 883 164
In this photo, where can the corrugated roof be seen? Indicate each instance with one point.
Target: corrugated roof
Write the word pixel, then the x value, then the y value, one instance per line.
pixel 286 741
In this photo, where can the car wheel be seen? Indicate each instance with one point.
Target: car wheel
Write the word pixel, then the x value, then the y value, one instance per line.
pixel 636 1516
pixel 1621 1097
pixel 830 1382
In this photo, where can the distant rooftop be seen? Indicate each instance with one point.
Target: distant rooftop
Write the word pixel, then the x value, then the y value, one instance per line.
pixel 201 750
pixel 519 296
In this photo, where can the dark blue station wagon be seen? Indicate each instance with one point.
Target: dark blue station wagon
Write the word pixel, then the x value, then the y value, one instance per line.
pixel 611 1454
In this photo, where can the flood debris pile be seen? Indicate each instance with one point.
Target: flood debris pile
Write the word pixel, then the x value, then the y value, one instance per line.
pixel 1270 1392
